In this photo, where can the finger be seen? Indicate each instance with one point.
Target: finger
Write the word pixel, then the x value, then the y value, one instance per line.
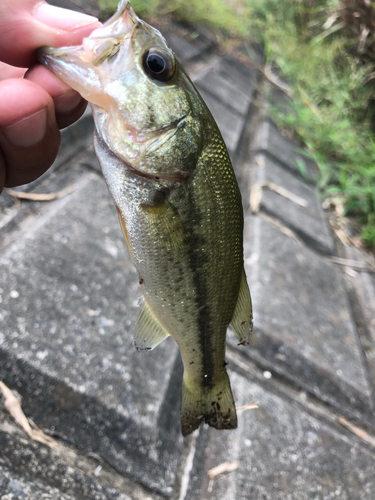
pixel 29 136
pixel 8 71
pixel 35 24
pixel 69 105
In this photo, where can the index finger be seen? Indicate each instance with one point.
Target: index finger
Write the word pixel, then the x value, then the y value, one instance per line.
pixel 33 23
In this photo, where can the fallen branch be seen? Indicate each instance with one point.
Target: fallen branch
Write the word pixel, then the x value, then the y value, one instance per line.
pixel 41 196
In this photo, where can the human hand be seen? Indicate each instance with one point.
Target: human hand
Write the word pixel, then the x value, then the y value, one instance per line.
pixel 34 103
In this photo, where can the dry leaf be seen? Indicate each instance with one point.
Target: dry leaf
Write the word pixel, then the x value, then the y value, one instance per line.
pixel 223 468
pixel 13 406
pixel 42 196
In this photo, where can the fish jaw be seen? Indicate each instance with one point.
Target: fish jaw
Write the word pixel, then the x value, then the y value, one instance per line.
pixel 79 65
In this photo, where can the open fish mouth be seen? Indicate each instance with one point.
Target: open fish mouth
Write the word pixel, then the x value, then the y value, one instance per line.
pixel 77 65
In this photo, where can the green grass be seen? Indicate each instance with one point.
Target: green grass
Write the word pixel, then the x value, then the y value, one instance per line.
pixel 331 111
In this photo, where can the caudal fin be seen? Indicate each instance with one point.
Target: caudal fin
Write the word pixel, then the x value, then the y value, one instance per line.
pixel 213 405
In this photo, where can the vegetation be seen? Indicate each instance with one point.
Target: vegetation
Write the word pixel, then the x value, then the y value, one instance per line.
pixel 325 50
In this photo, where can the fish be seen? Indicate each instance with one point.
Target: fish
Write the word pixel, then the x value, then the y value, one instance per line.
pixel 179 205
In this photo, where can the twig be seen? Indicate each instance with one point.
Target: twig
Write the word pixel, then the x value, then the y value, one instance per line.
pixel 271 77
pixel 362 266
pixel 42 196
pixel 357 431
pixel 223 468
pixel 284 229
pixel 250 406
pixel 282 192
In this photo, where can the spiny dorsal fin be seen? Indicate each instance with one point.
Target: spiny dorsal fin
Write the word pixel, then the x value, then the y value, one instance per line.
pixel 242 320
pixel 148 331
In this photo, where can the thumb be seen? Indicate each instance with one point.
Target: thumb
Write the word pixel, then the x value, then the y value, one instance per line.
pixel 33 24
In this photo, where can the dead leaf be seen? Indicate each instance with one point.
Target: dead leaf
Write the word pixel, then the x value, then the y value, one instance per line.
pixel 42 196
pixel 13 406
pixel 223 468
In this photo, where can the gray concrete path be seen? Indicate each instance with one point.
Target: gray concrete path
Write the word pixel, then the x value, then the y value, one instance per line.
pixel 68 306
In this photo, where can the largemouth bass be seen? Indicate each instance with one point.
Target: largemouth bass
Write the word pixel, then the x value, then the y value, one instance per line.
pixel 171 179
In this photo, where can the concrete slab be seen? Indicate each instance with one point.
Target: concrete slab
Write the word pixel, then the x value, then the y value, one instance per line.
pixel 13 487
pixel 361 286
pixel 31 470
pixel 309 221
pixel 302 316
pixel 53 181
pixel 69 306
pixel 184 48
pixel 269 139
pixel 242 77
pixel 225 90
pixel 188 44
pixel 283 452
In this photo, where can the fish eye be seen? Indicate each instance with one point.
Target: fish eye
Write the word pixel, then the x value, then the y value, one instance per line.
pixel 158 64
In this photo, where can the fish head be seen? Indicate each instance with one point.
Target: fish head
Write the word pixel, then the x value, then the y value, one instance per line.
pixel 146 110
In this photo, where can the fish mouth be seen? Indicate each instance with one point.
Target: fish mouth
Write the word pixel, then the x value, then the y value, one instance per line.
pixel 76 65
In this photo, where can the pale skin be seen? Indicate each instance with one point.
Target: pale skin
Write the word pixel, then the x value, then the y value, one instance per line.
pixel 34 104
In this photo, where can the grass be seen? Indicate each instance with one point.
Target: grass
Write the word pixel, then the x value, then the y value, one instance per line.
pixel 331 89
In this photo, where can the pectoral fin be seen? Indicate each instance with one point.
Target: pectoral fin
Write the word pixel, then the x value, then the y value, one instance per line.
pixel 148 332
pixel 242 320
pixel 166 225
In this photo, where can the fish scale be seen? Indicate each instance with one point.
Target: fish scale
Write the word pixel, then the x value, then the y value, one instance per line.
pixel 171 179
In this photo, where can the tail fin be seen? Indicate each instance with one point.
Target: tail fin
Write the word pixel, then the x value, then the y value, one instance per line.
pixel 213 405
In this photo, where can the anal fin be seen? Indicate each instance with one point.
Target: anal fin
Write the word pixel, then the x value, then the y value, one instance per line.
pixel 242 320
pixel 148 332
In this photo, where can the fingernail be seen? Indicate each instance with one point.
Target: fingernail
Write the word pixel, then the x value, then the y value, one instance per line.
pixel 67 102
pixel 28 131
pixel 63 19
